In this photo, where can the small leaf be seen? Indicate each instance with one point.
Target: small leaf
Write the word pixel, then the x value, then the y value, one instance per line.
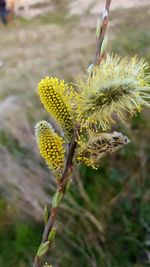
pixel 103 46
pixel 57 199
pixel 98 28
pixel 43 249
pixel 46 214
pixel 52 234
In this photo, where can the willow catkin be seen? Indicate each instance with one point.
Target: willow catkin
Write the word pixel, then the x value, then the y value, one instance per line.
pixel 56 96
pixel 117 86
pixel 50 146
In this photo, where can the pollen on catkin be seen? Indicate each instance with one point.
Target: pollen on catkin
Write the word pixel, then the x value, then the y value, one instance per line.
pixel 50 146
pixel 98 146
pixel 58 98
pixel 115 87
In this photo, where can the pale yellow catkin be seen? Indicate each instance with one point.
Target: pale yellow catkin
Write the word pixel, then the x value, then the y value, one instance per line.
pixel 117 86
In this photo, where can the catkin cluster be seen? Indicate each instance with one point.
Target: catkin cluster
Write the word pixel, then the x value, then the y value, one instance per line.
pixel 116 87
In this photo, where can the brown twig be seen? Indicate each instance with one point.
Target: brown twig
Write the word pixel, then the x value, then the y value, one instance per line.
pixel 36 262
pixel 61 188
pixel 97 58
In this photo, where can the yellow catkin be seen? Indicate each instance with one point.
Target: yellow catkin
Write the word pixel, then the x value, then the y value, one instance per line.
pixel 56 97
pixel 50 146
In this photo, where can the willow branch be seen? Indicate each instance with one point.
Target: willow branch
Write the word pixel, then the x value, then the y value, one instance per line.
pixel 61 186
pixel 98 58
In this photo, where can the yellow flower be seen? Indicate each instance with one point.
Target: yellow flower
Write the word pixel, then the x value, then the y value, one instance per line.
pixel 58 99
pixel 98 146
pixel 50 146
pixel 116 86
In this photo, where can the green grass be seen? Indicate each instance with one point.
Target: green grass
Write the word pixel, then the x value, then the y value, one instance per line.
pixel 18 239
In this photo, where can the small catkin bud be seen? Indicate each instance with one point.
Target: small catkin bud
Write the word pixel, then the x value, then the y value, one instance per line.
pixel 99 145
pixel 50 146
pixel 56 97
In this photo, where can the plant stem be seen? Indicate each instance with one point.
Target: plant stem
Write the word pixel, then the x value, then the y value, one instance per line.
pixel 61 186
pixel 97 58
pixel 36 262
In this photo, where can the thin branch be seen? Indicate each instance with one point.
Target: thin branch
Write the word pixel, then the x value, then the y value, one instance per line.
pixel 36 262
pixel 107 6
pixel 61 186
pixel 97 58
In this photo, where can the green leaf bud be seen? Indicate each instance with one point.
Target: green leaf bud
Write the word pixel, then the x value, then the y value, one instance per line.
pixel 98 27
pixel 43 249
pixel 57 199
pixel 52 234
pixel 103 46
pixel 46 214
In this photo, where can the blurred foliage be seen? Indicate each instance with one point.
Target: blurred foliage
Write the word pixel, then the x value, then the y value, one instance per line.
pixel 105 221
pixel 19 238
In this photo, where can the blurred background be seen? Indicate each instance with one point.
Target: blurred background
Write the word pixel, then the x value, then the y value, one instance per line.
pixel 104 220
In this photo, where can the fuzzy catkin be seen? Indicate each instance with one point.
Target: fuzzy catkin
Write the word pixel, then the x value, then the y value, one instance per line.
pixel 117 86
